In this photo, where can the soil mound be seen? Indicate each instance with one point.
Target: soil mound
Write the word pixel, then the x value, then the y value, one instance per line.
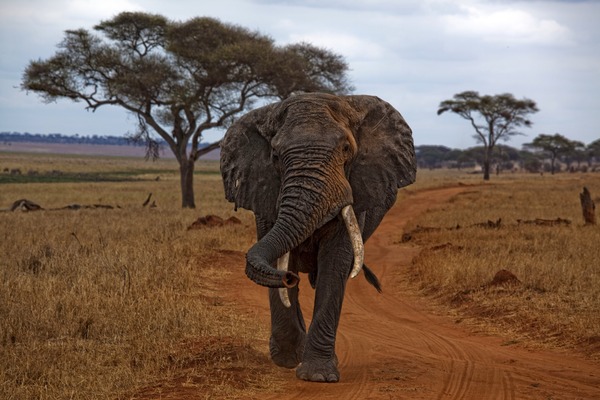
pixel 211 221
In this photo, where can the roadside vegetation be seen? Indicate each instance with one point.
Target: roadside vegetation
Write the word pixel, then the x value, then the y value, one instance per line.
pixel 104 304
pixel 530 231
pixel 117 303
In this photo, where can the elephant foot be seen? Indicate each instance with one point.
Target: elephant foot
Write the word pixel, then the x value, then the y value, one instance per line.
pixel 318 371
pixel 288 356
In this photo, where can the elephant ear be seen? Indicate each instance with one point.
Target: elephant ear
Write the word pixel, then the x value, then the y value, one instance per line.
pixel 249 177
pixel 386 157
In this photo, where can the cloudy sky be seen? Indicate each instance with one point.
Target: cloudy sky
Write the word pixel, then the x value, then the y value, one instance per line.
pixel 412 53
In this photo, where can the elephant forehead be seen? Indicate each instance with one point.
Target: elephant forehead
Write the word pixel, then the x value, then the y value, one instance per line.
pixel 323 132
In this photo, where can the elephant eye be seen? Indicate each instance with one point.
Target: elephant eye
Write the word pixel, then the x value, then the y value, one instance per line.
pixel 274 156
pixel 346 148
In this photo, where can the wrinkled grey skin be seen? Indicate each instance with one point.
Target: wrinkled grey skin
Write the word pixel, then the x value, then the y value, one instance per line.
pixel 296 164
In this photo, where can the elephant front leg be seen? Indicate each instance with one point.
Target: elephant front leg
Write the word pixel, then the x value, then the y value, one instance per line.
pixel 319 362
pixel 288 331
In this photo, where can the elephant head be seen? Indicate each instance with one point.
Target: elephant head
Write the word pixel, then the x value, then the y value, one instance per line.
pixel 298 163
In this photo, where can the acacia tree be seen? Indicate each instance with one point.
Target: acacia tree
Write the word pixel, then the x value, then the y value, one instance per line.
pixel 577 153
pixel 180 79
pixel 553 145
pixel 593 151
pixel 494 118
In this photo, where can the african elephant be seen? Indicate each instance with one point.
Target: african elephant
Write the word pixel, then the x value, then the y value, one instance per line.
pixel 314 168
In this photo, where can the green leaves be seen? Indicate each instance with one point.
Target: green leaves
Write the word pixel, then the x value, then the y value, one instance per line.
pixel 180 79
pixel 202 67
pixel 135 31
pixel 493 117
pixel 554 144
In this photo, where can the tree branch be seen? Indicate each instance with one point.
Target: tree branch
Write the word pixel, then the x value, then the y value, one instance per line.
pixel 207 149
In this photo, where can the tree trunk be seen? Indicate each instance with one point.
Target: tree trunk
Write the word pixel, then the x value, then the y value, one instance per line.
pixel 486 169
pixel 186 170
pixel 588 207
pixel 486 163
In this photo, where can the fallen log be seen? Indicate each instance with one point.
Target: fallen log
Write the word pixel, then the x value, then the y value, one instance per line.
pixel 545 222
pixel 25 205
pixel 489 224
pixel 76 206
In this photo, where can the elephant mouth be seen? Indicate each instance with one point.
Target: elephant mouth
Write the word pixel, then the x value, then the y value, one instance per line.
pixel 355 236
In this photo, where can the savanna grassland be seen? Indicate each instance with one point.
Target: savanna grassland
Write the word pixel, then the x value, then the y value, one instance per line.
pixel 532 227
pixel 108 303
pixel 99 303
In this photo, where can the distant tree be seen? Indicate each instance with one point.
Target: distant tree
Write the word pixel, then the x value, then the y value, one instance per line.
pixel 577 153
pixel 553 146
pixel 533 164
pixel 180 79
pixel 465 159
pixel 529 161
pixel 505 157
pixel 456 158
pixel 475 154
pixel 494 118
pixel 60 138
pixel 593 151
pixel 431 156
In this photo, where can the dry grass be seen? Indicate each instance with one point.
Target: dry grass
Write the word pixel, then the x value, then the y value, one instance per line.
pixel 135 179
pixel 126 303
pixel 97 304
pixel 557 302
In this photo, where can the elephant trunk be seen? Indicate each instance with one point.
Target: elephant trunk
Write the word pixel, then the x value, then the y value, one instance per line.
pixel 287 233
pixel 263 274
pixel 308 201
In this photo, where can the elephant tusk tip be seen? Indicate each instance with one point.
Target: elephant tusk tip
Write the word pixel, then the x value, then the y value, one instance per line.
pixel 284 297
pixel 355 271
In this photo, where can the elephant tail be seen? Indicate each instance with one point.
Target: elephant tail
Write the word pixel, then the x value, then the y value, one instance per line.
pixel 372 278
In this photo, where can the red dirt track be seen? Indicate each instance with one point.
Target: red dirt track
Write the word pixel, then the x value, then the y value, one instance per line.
pixel 390 346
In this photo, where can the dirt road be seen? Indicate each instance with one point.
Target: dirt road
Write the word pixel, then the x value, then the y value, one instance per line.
pixel 390 346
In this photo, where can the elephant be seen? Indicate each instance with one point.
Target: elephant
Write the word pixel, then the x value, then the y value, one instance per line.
pixel 319 172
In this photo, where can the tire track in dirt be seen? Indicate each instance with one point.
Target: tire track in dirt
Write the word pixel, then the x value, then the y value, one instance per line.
pixel 391 346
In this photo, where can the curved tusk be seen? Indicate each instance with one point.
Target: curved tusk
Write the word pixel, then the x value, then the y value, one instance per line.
pixel 355 239
pixel 282 265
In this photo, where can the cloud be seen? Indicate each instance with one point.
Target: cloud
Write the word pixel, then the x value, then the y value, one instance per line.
pixel 348 45
pixel 507 26
pixel 60 12
pixel 412 53
pixel 94 10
